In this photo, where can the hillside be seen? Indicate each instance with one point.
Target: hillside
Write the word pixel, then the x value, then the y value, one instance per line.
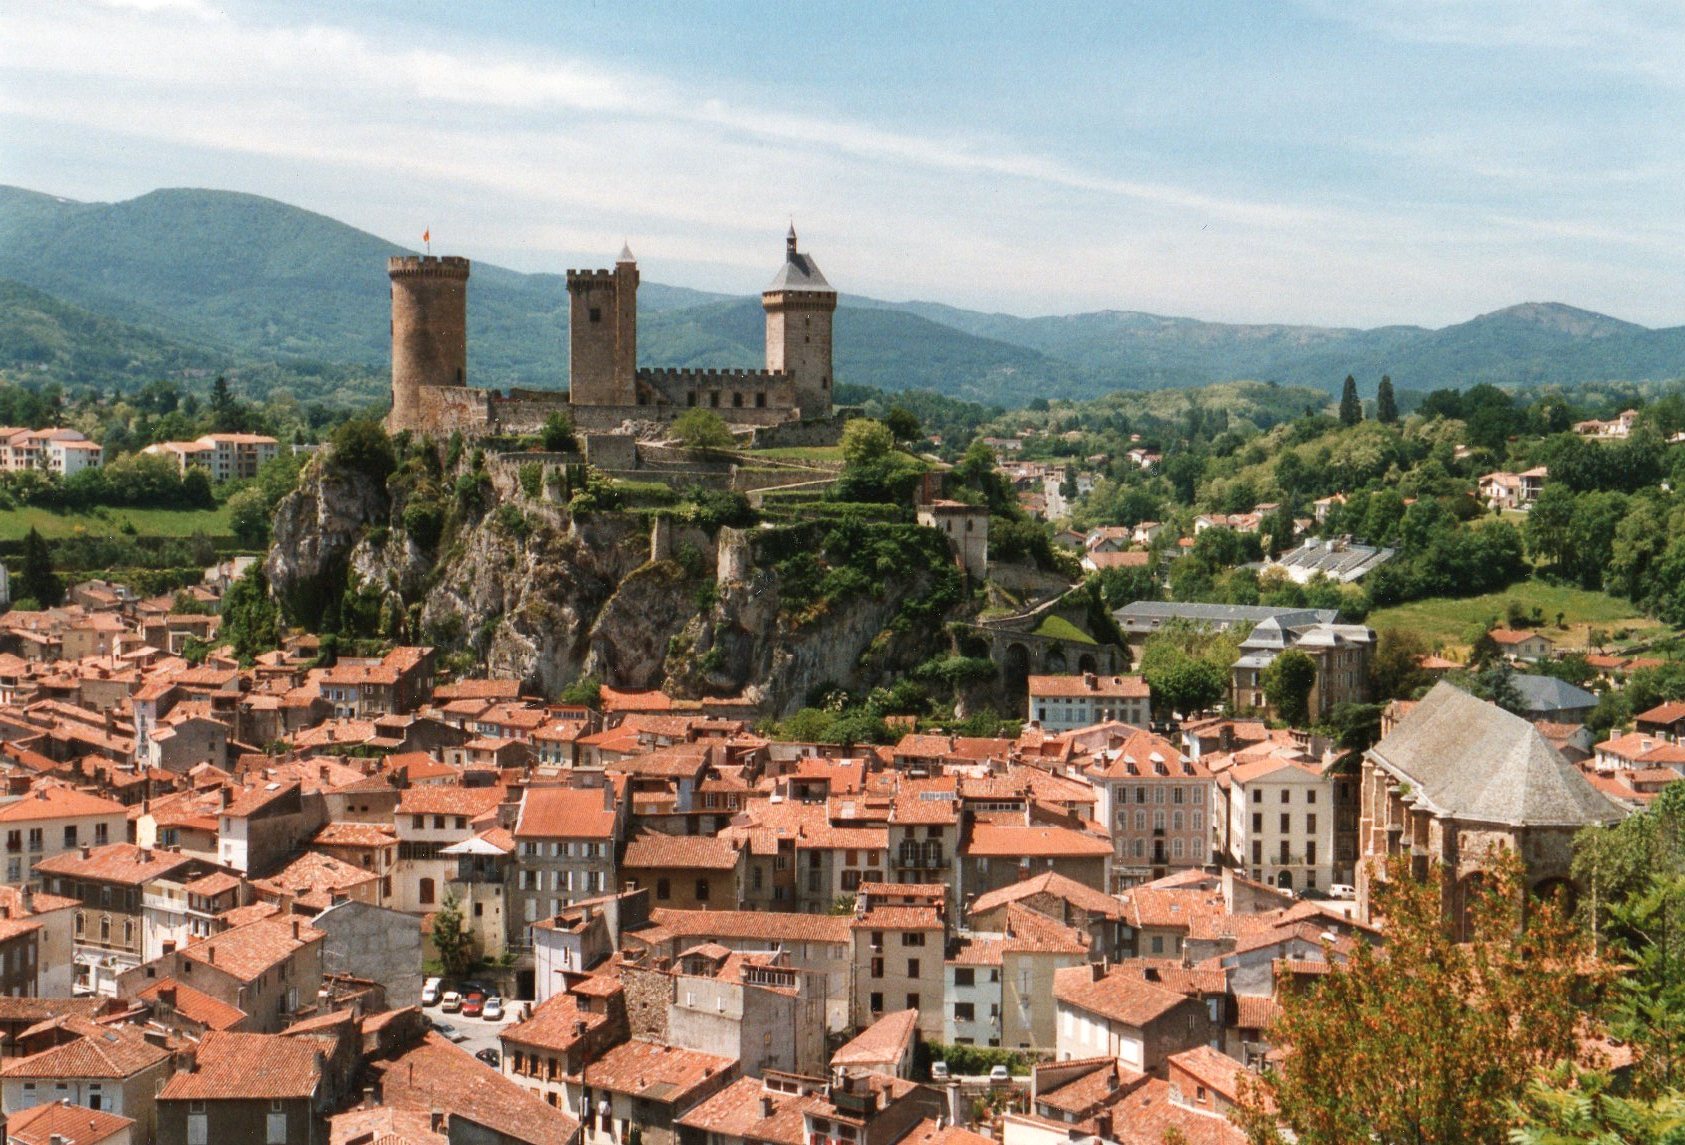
pixel 262 281
pixel 44 339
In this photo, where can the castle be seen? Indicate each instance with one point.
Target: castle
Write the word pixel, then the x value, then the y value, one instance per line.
pixel 607 388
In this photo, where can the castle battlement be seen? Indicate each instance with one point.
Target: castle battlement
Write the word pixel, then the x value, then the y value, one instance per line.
pixel 706 374
pixel 600 277
pixel 427 266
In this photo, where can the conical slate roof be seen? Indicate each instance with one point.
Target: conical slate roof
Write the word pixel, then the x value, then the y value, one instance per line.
pixel 1469 759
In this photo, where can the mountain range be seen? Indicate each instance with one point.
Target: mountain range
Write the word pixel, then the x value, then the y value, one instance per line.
pixel 195 280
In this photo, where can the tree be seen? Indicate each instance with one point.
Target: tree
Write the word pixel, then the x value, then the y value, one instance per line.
pixel 1427 1041
pixel 586 691
pixel 36 578
pixel 361 446
pixel 903 424
pixel 248 517
pixel 1386 404
pixel 451 938
pixel 1571 1106
pixel 1395 670
pixel 1288 680
pixel 865 441
pixel 556 434
pixel 251 621
pixel 702 429
pixel 1351 406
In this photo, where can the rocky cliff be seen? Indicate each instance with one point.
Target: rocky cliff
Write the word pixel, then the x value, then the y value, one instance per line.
pixel 528 586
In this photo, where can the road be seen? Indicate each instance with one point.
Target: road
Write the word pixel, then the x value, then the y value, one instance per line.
pixel 481 1034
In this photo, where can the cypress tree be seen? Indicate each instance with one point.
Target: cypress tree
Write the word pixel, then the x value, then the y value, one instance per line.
pixel 1386 405
pixel 1351 407
pixel 36 578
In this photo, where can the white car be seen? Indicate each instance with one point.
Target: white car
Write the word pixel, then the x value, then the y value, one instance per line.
pixel 999 1074
pixel 493 1009
pixel 430 992
pixel 938 1071
pixel 1342 891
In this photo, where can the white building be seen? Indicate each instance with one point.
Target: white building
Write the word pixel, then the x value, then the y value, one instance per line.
pixel 973 991
pixel 1065 703
pixel 1278 822
pixel 225 455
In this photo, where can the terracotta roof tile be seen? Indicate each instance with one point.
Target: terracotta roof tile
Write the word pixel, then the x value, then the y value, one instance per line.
pixel 101 1051
pixel 655 1072
pixel 243 1067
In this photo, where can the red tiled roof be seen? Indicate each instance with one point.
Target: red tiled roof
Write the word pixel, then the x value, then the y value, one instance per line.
pixel 655 1072
pixel 245 1067
pixel 884 1041
pixel 116 863
pixel 693 852
pixel 564 813
pixel 60 1123
pixel 194 1005
pixel 101 1051
pixel 998 840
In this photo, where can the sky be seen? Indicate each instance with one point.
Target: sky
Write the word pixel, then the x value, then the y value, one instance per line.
pixel 1305 161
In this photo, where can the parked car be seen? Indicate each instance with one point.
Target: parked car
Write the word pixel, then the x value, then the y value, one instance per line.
pixel 490 1057
pixel 938 1071
pixel 451 1003
pixel 449 1032
pixel 493 1010
pixel 1313 894
pixel 1342 891
pixel 999 1074
pixel 430 992
pixel 472 1005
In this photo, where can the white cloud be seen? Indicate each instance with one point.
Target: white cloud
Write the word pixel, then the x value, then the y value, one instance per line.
pixel 543 155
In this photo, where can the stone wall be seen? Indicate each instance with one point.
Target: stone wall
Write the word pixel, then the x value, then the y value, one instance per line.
pixel 648 993
pixel 441 410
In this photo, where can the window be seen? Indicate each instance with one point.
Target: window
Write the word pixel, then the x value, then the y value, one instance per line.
pixel 1176 847
pixel 426 892
pixel 877 1003
pixel 1286 795
pixel 912 969
pixel 595 314
pixel 1175 795
pixel 912 938
pixel 965 1012
pixel 1175 820
pixel 1286 823
pixel 1310 824
pixel 1310 853
pixel 1310 797
pixel 877 967
pixel 1140 795
pixel 1257 852
pixel 462 822
pixel 702 889
pixel 105 928
pixel 1158 795
pixel 1140 820
pixel 1158 820
pixel 36 842
pixel 1158 944
pixel 1199 795
pixel 912 1001
pixel 1257 821
pixel 419 822
pixel 965 976
pixel 438 822
pixel 277 1127
pixel 196 1131
pixel 1257 795
pixel 70 836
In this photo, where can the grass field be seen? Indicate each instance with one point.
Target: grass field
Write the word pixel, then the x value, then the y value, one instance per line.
pixel 801 453
pixel 1446 622
pixel 16 523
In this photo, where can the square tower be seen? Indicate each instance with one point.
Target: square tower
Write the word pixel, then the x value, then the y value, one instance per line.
pixel 799 304
pixel 603 334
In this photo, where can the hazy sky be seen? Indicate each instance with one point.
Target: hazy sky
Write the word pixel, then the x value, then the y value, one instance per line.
pixel 1331 161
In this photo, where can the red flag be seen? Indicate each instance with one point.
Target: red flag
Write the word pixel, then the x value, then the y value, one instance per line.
pixel 427 235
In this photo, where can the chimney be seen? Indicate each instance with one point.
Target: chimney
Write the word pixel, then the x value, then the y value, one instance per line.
pixel 87 851
pixel 26 900
pixel 1103 1126
pixel 295 930
pixel 210 955
pixel 369 1099
pixel 766 1106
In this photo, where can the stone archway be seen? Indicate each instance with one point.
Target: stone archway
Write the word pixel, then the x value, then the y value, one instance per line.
pixel 1054 662
pixel 1085 663
pixel 1016 668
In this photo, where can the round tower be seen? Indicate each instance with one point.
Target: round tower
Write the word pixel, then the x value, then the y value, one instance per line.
pixel 429 331
pixel 799 304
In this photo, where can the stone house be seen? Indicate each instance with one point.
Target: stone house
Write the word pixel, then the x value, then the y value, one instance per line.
pixel 109 884
pixel 565 841
pixel 898 965
pixel 685 871
pixel 271 969
pixel 1128 1013
pixel 246 1087
pixel 110 1069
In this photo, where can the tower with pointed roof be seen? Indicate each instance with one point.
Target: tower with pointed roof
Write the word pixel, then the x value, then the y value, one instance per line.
pixel 799 304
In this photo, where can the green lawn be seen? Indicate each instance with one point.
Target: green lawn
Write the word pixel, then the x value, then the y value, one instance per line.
pixel 15 523
pixel 801 453
pixel 1062 629
pixel 1447 621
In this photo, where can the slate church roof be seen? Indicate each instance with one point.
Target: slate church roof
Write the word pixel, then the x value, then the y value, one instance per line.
pixel 1471 760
